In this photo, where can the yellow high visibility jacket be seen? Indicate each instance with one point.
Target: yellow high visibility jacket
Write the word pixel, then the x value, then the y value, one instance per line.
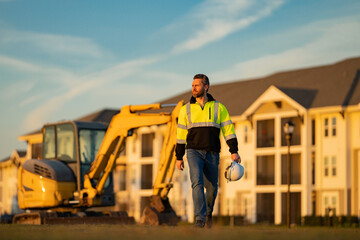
pixel 199 128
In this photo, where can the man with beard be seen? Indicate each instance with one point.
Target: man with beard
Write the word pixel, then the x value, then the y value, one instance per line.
pixel 199 125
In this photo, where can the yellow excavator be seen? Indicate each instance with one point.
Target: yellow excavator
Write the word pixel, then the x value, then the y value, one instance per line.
pixel 76 172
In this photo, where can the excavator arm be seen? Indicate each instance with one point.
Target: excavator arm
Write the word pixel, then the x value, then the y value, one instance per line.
pixel 166 166
pixel 160 211
pixel 120 126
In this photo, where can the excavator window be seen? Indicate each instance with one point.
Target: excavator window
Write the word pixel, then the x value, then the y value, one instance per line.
pixel 59 142
pixel 65 142
pixel 49 142
pixel 89 141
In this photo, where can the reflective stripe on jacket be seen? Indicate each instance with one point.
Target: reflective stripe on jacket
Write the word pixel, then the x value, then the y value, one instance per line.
pixel 199 128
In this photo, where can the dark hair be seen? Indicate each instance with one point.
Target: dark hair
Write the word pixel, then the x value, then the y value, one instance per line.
pixel 205 79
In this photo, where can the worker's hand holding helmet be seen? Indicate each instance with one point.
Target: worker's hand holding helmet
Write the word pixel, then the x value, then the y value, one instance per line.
pixel 234 171
pixel 236 157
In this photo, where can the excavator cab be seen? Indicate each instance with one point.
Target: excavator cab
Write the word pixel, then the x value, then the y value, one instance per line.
pixel 69 148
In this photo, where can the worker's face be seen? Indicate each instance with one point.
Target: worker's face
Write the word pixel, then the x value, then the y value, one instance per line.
pixel 198 88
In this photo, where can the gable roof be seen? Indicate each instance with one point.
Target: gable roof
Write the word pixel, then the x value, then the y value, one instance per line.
pixel 16 153
pixel 275 95
pixel 331 85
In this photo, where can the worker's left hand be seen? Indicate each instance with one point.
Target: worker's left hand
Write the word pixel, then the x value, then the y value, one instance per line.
pixel 236 157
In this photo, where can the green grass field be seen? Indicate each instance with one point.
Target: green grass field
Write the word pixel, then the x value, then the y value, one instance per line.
pixel 121 232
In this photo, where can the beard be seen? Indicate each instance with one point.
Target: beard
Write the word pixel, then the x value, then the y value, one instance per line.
pixel 201 93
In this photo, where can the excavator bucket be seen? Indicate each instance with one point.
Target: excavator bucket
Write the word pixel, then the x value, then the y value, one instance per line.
pixel 159 212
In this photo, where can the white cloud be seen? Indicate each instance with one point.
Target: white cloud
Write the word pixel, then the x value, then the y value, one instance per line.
pixel 33 76
pixel 86 83
pixel 30 100
pixel 52 44
pixel 19 64
pixel 16 89
pixel 218 19
pixel 42 73
pixel 123 69
pixel 334 40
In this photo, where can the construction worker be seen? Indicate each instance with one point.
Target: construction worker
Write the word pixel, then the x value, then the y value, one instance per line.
pixel 199 125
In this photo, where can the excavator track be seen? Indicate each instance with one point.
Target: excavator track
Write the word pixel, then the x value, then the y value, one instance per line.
pixel 39 218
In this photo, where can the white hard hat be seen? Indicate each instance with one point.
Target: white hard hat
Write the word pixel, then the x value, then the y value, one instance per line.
pixel 234 171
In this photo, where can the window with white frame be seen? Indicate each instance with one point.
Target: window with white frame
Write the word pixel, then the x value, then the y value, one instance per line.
pixel 146 176
pixel 295 206
pixel 313 132
pixel 295 168
pixel 333 200
pixel 246 134
pixel 122 177
pixel 246 170
pixel 265 133
pixel 265 170
pixel 333 166
pixel 330 168
pixel 326 166
pixel 147 140
pixel 330 126
pixel 36 149
pixel 333 123
pixel 313 168
pixel 265 207
pixel 246 207
pixel 326 127
pixel 330 204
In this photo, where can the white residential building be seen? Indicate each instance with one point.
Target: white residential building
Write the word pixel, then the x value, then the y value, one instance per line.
pixel 324 104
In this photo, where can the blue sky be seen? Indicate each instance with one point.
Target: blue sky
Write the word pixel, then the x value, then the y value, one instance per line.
pixel 64 59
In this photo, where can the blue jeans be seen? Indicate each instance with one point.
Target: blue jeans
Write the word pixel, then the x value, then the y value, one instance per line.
pixel 204 171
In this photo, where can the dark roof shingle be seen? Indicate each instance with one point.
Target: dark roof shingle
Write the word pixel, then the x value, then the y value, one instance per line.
pixel 103 116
